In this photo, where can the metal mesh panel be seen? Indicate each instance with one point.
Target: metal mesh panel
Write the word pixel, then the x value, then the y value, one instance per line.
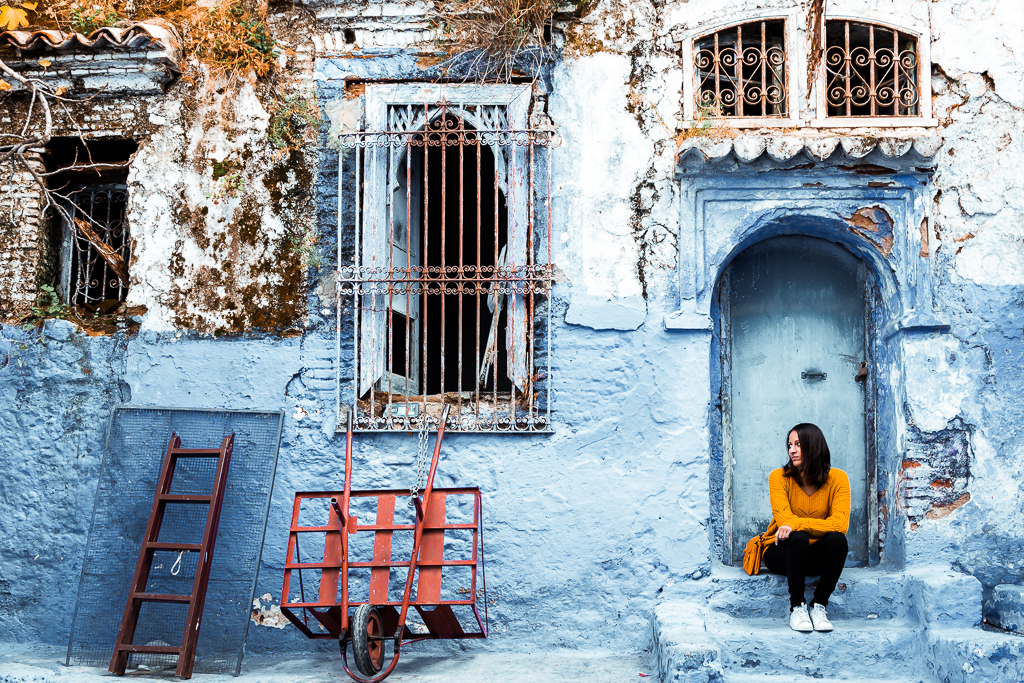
pixel 132 462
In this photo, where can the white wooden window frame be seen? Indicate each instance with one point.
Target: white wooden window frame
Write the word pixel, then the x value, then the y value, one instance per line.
pixel 373 242
pixel 796 32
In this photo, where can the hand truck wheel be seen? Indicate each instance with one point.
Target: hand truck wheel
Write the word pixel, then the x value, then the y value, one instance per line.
pixel 368 640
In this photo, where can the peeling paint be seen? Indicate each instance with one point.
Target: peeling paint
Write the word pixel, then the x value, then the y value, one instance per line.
pixel 635 410
pixel 266 613
pixel 936 470
pixel 875 225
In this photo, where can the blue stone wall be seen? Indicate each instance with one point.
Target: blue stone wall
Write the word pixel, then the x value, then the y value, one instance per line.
pixel 587 526
pixel 583 527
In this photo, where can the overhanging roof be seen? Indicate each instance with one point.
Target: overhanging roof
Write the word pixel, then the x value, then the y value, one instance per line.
pixel 780 148
pixel 147 35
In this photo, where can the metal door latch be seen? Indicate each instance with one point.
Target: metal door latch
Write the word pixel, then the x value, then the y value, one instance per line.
pixel 814 375
pixel 862 372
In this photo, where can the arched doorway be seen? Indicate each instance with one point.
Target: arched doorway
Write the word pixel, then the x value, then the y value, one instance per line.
pixel 794 332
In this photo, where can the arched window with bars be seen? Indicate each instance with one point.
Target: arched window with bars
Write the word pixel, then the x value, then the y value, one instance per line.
pixel 740 71
pixel 870 70
pixel 449 281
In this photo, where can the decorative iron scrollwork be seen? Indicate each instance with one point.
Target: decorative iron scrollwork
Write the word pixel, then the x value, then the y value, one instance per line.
pixel 741 71
pixel 870 70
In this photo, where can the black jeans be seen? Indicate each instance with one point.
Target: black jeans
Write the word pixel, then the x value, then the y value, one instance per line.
pixel 797 558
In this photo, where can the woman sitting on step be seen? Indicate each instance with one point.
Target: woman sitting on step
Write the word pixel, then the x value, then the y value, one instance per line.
pixel 810 517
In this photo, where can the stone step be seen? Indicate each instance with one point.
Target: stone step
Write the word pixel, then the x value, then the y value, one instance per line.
pixel 974 655
pixel 860 593
pixel 789 678
pixel 857 648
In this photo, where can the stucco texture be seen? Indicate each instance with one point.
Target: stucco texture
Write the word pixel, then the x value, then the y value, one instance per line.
pixel 585 527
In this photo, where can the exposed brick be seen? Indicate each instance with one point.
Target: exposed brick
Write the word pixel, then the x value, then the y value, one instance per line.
pixel 23 240
pixel 935 473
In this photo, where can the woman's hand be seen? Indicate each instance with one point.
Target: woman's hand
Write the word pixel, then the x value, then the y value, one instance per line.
pixel 783 533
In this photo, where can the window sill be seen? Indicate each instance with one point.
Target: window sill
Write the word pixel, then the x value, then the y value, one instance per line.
pixel 874 122
pixel 797 124
pixel 746 122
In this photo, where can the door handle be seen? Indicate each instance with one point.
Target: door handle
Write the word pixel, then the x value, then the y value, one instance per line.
pixel 813 375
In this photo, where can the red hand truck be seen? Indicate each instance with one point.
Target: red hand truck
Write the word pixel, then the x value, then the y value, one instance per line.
pixel 376 615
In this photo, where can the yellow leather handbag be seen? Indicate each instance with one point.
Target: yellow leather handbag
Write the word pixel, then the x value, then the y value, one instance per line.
pixel 752 555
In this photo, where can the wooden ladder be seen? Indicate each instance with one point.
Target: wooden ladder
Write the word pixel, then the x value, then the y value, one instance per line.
pixel 137 595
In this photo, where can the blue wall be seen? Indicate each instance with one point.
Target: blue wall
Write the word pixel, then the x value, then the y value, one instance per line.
pixel 585 527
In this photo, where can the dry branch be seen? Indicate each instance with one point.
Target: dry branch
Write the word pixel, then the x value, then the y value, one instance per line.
pixel 105 251
pixel 498 31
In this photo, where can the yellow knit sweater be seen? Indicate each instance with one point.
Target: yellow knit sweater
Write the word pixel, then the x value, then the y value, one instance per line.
pixel 828 509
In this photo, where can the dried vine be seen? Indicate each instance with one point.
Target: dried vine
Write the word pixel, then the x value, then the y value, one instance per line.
pixel 493 32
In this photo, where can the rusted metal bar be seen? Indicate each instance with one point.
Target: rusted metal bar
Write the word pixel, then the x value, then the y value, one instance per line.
pixel 462 261
pixel 408 272
pixel 547 335
pixel 530 371
pixel 872 88
pixel 357 299
pixel 857 66
pixel 849 68
pixel 740 60
pixel 895 70
pixel 444 250
pixel 337 283
pixel 479 262
pixel 497 273
pixel 389 341
pixel 424 343
pixel 390 306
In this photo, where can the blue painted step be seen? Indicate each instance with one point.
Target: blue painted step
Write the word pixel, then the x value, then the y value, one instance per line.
pixel 860 594
pixel 856 650
pixel 921 626
pixel 789 678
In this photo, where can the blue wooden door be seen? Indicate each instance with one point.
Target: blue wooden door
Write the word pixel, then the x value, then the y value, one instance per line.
pixel 793 340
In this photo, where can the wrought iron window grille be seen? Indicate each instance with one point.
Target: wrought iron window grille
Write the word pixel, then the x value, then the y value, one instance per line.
pixel 741 71
pixel 870 71
pixel 446 291
pixel 87 279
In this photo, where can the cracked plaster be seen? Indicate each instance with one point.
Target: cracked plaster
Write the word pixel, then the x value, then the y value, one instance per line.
pixel 632 415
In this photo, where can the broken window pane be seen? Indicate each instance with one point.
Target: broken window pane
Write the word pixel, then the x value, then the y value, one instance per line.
pixel 452 274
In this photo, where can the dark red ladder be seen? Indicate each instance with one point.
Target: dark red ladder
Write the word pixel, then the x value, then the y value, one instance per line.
pixel 137 594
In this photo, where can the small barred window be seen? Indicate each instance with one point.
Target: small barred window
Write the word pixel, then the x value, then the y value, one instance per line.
pixel 741 71
pixel 97 247
pixel 88 178
pixel 870 70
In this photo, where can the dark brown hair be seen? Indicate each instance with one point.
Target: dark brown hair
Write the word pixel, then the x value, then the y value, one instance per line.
pixel 816 459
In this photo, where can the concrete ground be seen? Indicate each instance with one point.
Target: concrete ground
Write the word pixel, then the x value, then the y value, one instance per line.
pixel 45 664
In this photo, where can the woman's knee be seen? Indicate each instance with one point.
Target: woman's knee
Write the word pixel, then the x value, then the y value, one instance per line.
pixel 799 538
pixel 837 540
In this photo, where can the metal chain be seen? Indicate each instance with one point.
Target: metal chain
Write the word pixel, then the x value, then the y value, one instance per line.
pixel 421 463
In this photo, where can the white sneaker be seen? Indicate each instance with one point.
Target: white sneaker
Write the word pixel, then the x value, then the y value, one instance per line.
pixel 799 621
pixel 819 618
